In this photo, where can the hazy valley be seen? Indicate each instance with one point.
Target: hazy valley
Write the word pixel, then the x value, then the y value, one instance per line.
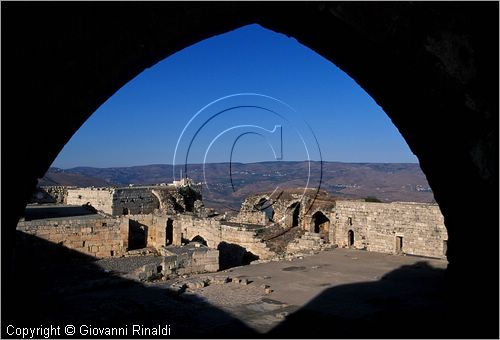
pixel 385 181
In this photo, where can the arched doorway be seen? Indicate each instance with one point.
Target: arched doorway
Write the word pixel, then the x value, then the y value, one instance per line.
pixel 292 215
pixel 320 224
pixel 350 238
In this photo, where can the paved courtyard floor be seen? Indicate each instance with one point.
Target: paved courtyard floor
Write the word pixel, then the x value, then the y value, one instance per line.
pixel 326 284
pixel 340 293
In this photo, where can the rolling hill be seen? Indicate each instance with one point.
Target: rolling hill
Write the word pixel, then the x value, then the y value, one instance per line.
pixel 228 184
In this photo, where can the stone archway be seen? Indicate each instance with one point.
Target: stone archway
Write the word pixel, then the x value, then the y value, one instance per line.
pixel 266 206
pixel 292 215
pixel 320 224
pixel 433 68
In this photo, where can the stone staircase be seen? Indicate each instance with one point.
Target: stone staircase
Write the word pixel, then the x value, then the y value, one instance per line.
pixel 308 242
pixel 276 239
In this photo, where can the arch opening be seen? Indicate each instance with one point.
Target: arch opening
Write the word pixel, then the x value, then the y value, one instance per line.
pixel 233 255
pixel 423 135
pixel 320 224
pixel 292 217
pixel 266 206
pixel 200 240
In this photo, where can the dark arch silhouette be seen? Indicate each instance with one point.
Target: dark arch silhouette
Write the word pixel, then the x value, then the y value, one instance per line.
pixel 433 68
pixel 199 239
pixel 319 222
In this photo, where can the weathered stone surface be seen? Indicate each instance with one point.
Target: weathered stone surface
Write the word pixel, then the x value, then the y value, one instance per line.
pixel 51 194
pixel 382 227
pixel 99 236
pixel 170 199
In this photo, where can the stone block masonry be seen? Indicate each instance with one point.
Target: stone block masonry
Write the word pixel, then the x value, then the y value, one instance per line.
pixel 189 260
pixel 100 198
pixel 138 200
pixel 97 236
pixel 51 194
pixel 406 228
pixel 119 201
pixel 214 233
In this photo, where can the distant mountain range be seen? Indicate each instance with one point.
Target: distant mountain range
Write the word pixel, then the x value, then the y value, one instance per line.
pixel 228 184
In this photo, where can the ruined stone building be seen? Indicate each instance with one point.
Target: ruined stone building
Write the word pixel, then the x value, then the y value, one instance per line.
pixel 394 228
pixel 178 197
pixel 111 222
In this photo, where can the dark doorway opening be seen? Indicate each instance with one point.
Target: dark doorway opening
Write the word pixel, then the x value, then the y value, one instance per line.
pixel 125 211
pixel 399 244
pixel 320 222
pixel 137 235
pixel 233 255
pixel 350 238
pixel 169 232
pixel 292 217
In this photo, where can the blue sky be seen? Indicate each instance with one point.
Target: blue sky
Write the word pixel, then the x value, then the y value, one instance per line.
pixel 304 94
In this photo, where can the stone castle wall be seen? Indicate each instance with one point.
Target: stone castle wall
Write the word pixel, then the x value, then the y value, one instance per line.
pixel 283 208
pixel 200 260
pixel 137 200
pixel 50 194
pixel 157 229
pixel 132 201
pixel 215 232
pixel 382 227
pixel 99 237
pixel 100 198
